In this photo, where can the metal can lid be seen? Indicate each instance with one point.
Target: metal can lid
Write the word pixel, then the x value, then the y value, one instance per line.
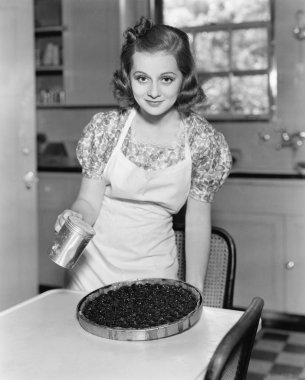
pixel 80 226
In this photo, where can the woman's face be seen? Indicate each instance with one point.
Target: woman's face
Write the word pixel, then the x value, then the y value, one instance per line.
pixel 155 81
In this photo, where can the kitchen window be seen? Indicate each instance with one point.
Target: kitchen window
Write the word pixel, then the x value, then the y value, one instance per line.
pixel 232 41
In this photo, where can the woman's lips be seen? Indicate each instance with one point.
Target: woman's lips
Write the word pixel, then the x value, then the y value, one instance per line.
pixel 154 103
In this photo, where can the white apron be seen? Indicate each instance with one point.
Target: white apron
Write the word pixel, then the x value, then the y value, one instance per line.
pixel 134 230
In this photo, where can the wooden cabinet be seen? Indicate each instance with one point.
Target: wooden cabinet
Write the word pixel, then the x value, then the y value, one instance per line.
pixel 77 51
pixel 56 192
pixel 295 263
pixel 260 257
pixel 267 221
pixel 91 50
pixel 48 52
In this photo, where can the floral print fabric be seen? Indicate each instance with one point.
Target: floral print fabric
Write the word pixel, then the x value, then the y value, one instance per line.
pixel 211 158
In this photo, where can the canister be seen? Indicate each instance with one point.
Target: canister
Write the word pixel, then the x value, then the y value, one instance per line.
pixel 70 242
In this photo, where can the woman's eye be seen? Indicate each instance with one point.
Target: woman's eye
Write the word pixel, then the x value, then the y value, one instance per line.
pixel 167 80
pixel 141 79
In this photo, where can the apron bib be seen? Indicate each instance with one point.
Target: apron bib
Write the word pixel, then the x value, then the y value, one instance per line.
pixel 134 231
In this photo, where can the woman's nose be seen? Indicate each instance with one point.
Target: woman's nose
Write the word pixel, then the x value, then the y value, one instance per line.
pixel 153 91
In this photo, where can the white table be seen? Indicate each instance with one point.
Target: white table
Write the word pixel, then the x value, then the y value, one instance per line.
pixel 41 339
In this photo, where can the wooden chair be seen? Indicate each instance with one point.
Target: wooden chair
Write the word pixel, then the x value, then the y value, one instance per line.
pixel 231 359
pixel 220 277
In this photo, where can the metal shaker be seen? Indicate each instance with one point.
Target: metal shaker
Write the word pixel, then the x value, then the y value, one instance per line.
pixel 70 242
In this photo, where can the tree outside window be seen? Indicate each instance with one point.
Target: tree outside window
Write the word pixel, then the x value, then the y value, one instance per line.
pixel 232 42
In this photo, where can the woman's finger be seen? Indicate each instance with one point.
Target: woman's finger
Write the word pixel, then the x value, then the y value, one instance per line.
pixel 62 218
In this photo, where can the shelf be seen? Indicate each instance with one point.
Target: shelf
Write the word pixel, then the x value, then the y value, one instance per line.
pixel 69 69
pixel 76 106
pixel 49 69
pixel 46 106
pixel 47 30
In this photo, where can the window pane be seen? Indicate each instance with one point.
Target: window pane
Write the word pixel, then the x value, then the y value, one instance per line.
pixel 249 49
pixel 233 64
pixel 212 51
pixel 217 92
pixel 250 95
pixel 197 12
pixel 257 10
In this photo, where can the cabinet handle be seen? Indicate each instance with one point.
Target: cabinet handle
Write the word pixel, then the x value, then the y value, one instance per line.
pixel 289 265
pixel 26 151
pixel 29 179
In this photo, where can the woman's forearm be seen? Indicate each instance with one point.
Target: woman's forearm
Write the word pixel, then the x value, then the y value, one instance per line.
pixel 87 204
pixel 89 200
pixel 197 241
pixel 83 207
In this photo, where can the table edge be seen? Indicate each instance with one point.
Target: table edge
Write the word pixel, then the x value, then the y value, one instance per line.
pixel 37 297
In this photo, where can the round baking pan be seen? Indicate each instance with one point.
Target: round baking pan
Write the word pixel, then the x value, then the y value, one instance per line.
pixel 155 332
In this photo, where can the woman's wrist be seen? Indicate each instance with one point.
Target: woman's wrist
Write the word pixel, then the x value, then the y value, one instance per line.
pixel 197 283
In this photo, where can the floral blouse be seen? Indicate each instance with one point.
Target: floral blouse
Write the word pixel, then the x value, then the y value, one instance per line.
pixel 211 158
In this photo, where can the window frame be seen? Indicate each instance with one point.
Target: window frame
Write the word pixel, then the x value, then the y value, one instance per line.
pixel 270 70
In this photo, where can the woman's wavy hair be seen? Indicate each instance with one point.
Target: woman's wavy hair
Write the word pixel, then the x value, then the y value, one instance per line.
pixel 146 36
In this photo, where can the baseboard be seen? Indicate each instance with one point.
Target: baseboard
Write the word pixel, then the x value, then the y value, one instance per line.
pixel 285 321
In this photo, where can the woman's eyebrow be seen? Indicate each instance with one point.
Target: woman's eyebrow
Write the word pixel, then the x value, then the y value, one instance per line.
pixel 169 73
pixel 165 73
pixel 140 72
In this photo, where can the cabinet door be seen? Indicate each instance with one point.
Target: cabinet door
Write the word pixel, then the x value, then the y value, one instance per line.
pixel 18 200
pixel 56 192
pixel 260 256
pixel 295 265
pixel 91 50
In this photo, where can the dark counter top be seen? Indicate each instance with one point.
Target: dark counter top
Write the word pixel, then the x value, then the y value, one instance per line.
pixel 77 169
pixel 266 175
pixel 60 169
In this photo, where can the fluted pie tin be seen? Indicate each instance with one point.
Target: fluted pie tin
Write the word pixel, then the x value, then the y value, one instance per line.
pixel 70 242
pixel 139 334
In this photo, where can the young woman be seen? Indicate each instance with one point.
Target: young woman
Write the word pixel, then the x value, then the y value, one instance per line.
pixel 142 162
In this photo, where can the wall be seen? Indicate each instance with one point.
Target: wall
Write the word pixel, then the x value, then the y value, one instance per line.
pixel 65 124
pixel 256 155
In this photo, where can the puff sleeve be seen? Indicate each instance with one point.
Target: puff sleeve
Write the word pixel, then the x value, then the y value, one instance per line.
pixel 97 143
pixel 211 160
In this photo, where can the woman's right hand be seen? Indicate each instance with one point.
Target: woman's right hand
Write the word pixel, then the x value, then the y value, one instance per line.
pixel 61 219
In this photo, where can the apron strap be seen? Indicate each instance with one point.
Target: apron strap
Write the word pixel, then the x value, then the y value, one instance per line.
pixel 125 129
